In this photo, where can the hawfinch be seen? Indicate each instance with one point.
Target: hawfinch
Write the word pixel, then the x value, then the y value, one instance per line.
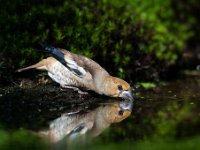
pixel 89 124
pixel 78 72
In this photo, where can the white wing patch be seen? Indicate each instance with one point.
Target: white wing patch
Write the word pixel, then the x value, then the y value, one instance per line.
pixel 71 126
pixel 75 68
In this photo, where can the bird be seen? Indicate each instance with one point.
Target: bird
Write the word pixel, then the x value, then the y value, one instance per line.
pixel 88 124
pixel 78 72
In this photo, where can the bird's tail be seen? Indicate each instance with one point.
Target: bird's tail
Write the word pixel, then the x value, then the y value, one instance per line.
pixel 70 64
pixel 54 51
pixel 47 48
pixel 40 65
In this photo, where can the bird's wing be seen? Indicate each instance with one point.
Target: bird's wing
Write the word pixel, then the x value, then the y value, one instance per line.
pixel 81 129
pixel 79 65
pixel 67 59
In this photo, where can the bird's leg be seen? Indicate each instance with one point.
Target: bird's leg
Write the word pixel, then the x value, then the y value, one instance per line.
pixel 81 92
pixel 71 113
pixel 74 88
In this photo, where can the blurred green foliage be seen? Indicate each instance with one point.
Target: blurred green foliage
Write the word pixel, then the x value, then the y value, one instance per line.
pixel 127 37
pixel 189 13
pixel 186 144
pixel 21 140
pixel 172 121
pixel 148 85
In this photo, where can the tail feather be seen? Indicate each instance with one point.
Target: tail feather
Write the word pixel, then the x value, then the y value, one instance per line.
pixel 47 48
pixel 42 65
pixel 54 51
pixel 60 56
pixel 26 68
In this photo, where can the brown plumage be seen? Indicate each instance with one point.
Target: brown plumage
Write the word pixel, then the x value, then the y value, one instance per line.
pixel 75 71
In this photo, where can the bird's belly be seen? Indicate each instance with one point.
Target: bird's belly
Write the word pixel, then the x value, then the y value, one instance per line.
pixel 62 75
pixel 63 81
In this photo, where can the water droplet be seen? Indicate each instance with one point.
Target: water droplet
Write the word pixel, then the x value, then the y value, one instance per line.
pixel 198 67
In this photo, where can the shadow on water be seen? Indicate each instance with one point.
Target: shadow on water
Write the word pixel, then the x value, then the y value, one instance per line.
pixel 169 112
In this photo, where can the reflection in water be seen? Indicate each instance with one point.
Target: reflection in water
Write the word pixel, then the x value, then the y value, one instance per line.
pixel 90 123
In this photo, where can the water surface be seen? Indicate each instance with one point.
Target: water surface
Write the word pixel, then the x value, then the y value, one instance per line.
pixel 169 111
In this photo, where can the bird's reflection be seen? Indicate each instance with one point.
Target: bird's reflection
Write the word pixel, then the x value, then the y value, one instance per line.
pixel 92 123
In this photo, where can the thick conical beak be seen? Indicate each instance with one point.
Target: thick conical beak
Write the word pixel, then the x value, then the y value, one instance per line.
pixel 127 95
pixel 126 105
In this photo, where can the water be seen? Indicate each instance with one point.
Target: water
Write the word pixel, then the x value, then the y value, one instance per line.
pixel 168 112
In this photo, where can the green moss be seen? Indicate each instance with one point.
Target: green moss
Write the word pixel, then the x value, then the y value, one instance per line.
pixel 121 34
pixel 148 85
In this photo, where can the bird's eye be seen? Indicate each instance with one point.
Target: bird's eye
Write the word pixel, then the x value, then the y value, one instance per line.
pixel 119 87
pixel 121 112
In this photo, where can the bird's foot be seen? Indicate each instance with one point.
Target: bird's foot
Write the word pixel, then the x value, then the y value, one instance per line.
pixel 81 92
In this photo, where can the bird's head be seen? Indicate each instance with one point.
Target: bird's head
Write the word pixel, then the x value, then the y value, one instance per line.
pixel 116 87
pixel 118 111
